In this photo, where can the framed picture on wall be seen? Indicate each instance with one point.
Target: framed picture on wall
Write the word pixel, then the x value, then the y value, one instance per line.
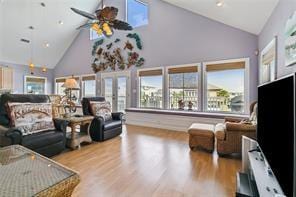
pixel 268 62
pixel 290 40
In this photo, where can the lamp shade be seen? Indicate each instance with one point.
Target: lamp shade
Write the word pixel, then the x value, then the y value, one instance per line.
pixel 71 83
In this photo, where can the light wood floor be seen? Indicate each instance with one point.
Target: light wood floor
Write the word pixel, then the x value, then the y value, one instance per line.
pixel 150 162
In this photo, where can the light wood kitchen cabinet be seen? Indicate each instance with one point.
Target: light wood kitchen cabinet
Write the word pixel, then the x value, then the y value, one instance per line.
pixel 6 78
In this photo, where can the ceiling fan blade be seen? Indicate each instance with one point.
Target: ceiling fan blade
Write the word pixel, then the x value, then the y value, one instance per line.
pixel 87 25
pixel 121 25
pixel 83 13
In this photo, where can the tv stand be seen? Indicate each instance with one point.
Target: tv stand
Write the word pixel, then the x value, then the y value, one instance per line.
pixel 256 180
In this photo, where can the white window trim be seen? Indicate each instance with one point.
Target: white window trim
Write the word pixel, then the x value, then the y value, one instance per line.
pixel 65 77
pixel 167 78
pixel 81 84
pixel 116 74
pixel 163 85
pixel 246 83
pixel 28 76
pixel 126 11
pixel 272 43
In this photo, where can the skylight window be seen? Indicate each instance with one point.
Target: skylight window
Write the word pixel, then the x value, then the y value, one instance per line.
pixel 137 13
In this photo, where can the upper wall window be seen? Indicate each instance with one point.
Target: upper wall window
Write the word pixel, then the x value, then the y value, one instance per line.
pixel 183 83
pixel 93 35
pixel 225 87
pixel 137 13
pixel 151 91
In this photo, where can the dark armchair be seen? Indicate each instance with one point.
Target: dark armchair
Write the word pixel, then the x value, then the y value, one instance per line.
pixel 101 130
pixel 47 143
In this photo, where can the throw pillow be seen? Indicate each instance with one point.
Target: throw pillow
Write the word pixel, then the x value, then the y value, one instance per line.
pixel 102 109
pixel 31 118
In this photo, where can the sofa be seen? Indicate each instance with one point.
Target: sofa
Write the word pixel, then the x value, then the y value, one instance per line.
pixel 101 130
pixel 48 142
pixel 229 134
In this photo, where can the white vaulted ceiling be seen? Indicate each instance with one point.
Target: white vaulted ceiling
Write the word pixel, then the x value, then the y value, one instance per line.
pixel 247 15
pixel 17 15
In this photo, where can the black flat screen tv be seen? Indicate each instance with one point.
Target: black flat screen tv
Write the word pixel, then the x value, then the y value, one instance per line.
pixel 276 130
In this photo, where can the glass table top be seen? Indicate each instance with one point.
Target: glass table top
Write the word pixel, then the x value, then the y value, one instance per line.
pixel 26 173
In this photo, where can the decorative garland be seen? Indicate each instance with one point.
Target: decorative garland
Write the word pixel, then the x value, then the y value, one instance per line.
pixel 96 45
pixel 111 58
pixel 137 38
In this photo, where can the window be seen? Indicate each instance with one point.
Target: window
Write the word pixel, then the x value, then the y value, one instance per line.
pixel 137 13
pixel 183 83
pixel 267 70
pixel 60 90
pixel 225 87
pixel 89 86
pixel 151 91
pixel 93 35
pixel 35 85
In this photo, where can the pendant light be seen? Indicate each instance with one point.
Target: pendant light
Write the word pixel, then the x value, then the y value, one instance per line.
pixel 31 64
pixel 31 28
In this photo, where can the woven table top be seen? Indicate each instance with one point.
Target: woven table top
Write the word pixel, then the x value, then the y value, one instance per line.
pixel 26 173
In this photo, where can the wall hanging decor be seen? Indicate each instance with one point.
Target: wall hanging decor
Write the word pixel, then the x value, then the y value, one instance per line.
pixel 117 54
pixel 137 38
pixel 290 40
pixel 104 21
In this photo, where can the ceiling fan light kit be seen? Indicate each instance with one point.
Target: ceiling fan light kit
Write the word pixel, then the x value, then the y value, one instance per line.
pixel 103 21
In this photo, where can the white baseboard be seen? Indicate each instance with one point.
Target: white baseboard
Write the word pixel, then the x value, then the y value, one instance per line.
pixel 169 122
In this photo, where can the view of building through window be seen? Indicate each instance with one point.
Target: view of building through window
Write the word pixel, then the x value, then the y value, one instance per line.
pixel 151 91
pixel 137 13
pixel 225 90
pixel 183 86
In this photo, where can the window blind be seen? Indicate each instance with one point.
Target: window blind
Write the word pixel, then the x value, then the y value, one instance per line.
pixel 89 78
pixel 60 80
pixel 150 72
pixel 225 66
pixel 35 80
pixel 189 69
pixel 269 56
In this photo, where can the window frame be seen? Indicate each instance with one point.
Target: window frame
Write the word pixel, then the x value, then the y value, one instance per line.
pixel 80 82
pixel 246 84
pixel 82 93
pixel 139 86
pixel 126 12
pixel 36 77
pixel 199 84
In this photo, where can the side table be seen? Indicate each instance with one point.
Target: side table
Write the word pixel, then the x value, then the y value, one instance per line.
pixel 74 139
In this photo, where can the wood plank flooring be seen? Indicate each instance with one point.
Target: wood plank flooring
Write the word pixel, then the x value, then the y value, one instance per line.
pixel 150 162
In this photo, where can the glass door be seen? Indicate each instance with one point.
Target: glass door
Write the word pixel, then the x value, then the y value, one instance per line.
pixel 115 89
pixel 121 93
pixel 108 90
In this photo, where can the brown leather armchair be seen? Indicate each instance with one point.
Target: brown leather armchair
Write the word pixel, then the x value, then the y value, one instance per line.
pixel 229 134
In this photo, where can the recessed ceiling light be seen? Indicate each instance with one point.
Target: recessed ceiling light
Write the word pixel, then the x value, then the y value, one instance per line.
pixel 220 3
pixel 47 44
pixel 61 22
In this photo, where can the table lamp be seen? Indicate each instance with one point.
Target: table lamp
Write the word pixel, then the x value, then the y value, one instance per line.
pixel 71 84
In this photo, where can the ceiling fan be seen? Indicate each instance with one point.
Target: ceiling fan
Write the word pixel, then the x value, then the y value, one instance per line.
pixel 103 21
